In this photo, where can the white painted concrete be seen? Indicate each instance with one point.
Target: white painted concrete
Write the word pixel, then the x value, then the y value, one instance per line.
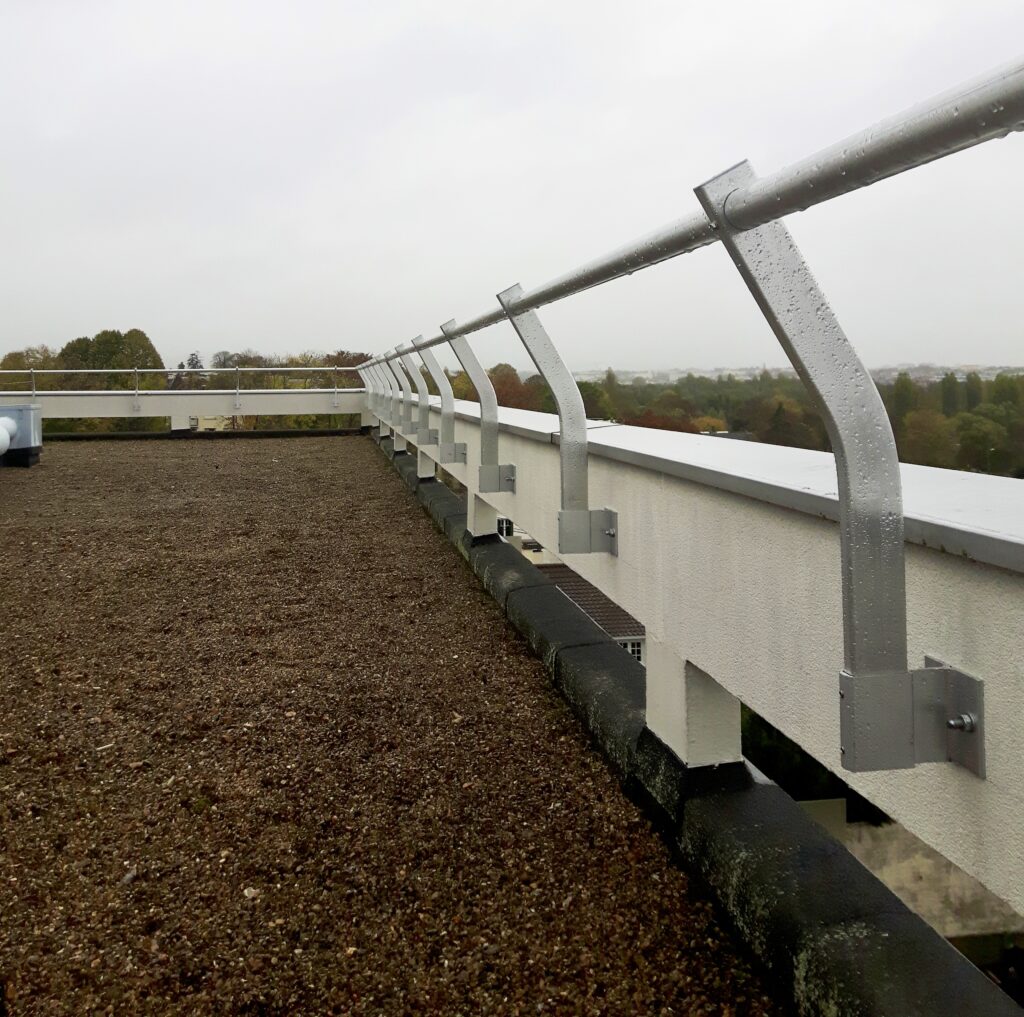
pixel 738 574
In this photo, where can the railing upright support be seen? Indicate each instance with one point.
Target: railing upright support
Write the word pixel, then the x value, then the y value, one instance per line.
pixel 369 414
pixel 450 451
pixel 405 419
pixel 425 434
pixel 375 395
pixel 394 403
pixel 890 717
pixel 493 476
pixel 580 528
pixel 383 396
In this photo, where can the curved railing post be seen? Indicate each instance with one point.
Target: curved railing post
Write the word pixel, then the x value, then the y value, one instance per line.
pixel 368 415
pixel 425 435
pixel 580 528
pixel 378 392
pixel 450 451
pixel 395 364
pixel 364 374
pixel 382 406
pixel 890 717
pixel 395 402
pixel 493 476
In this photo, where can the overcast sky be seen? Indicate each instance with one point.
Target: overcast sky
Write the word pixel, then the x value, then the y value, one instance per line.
pixel 332 175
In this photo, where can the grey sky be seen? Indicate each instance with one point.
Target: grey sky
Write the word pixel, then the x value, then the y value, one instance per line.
pixel 321 175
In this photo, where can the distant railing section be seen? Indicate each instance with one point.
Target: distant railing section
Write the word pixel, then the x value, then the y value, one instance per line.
pixel 891 716
pixel 34 380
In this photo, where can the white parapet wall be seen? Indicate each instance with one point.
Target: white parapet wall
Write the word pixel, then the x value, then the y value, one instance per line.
pixel 728 552
pixel 192 402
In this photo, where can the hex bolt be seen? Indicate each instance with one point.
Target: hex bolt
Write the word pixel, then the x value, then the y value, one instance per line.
pixel 965 722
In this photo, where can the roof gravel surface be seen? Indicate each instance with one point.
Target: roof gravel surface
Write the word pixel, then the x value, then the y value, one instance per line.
pixel 267 747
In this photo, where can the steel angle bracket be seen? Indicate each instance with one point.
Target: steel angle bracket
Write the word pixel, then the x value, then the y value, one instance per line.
pixel 949 716
pixel 452 452
pixel 583 530
pixel 495 479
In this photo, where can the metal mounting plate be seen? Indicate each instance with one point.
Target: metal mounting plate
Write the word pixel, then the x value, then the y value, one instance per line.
pixel 426 436
pixel 941 694
pixel 581 531
pixel 453 452
pixel 498 478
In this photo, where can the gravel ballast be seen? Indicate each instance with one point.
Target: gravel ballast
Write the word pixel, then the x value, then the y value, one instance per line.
pixel 267 747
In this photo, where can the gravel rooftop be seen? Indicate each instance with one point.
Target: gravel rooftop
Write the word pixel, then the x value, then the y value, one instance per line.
pixel 267 747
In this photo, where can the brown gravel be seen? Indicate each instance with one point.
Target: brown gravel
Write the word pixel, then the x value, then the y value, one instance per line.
pixel 268 748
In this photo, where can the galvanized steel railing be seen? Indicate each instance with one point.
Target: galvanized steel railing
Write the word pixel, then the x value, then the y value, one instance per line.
pixel 139 373
pixel 891 716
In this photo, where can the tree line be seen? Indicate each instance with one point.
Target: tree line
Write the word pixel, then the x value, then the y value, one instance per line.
pixel 957 423
pixel 122 353
pixel 967 424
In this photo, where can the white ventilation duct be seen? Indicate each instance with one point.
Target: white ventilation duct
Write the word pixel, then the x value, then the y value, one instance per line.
pixel 8 432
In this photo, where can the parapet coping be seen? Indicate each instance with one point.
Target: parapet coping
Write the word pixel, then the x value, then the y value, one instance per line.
pixel 972 515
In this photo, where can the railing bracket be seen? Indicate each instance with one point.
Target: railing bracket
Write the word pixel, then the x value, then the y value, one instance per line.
pixel 949 717
pixel 498 478
pixel 453 452
pixel 583 530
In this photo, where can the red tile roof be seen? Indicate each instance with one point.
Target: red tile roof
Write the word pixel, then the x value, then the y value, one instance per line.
pixel 616 621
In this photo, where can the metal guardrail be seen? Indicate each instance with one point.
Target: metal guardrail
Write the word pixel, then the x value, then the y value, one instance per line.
pixel 170 374
pixel 891 716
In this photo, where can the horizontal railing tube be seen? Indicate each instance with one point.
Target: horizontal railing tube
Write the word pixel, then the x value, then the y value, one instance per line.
pixel 978 111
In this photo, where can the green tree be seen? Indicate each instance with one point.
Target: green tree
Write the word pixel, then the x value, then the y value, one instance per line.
pixel 950 391
pixel 982 442
pixel 32 358
pixel 539 395
pixel 787 427
pixel 115 351
pixel 1005 390
pixel 595 401
pixel 974 390
pixel 929 439
pixel 904 398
